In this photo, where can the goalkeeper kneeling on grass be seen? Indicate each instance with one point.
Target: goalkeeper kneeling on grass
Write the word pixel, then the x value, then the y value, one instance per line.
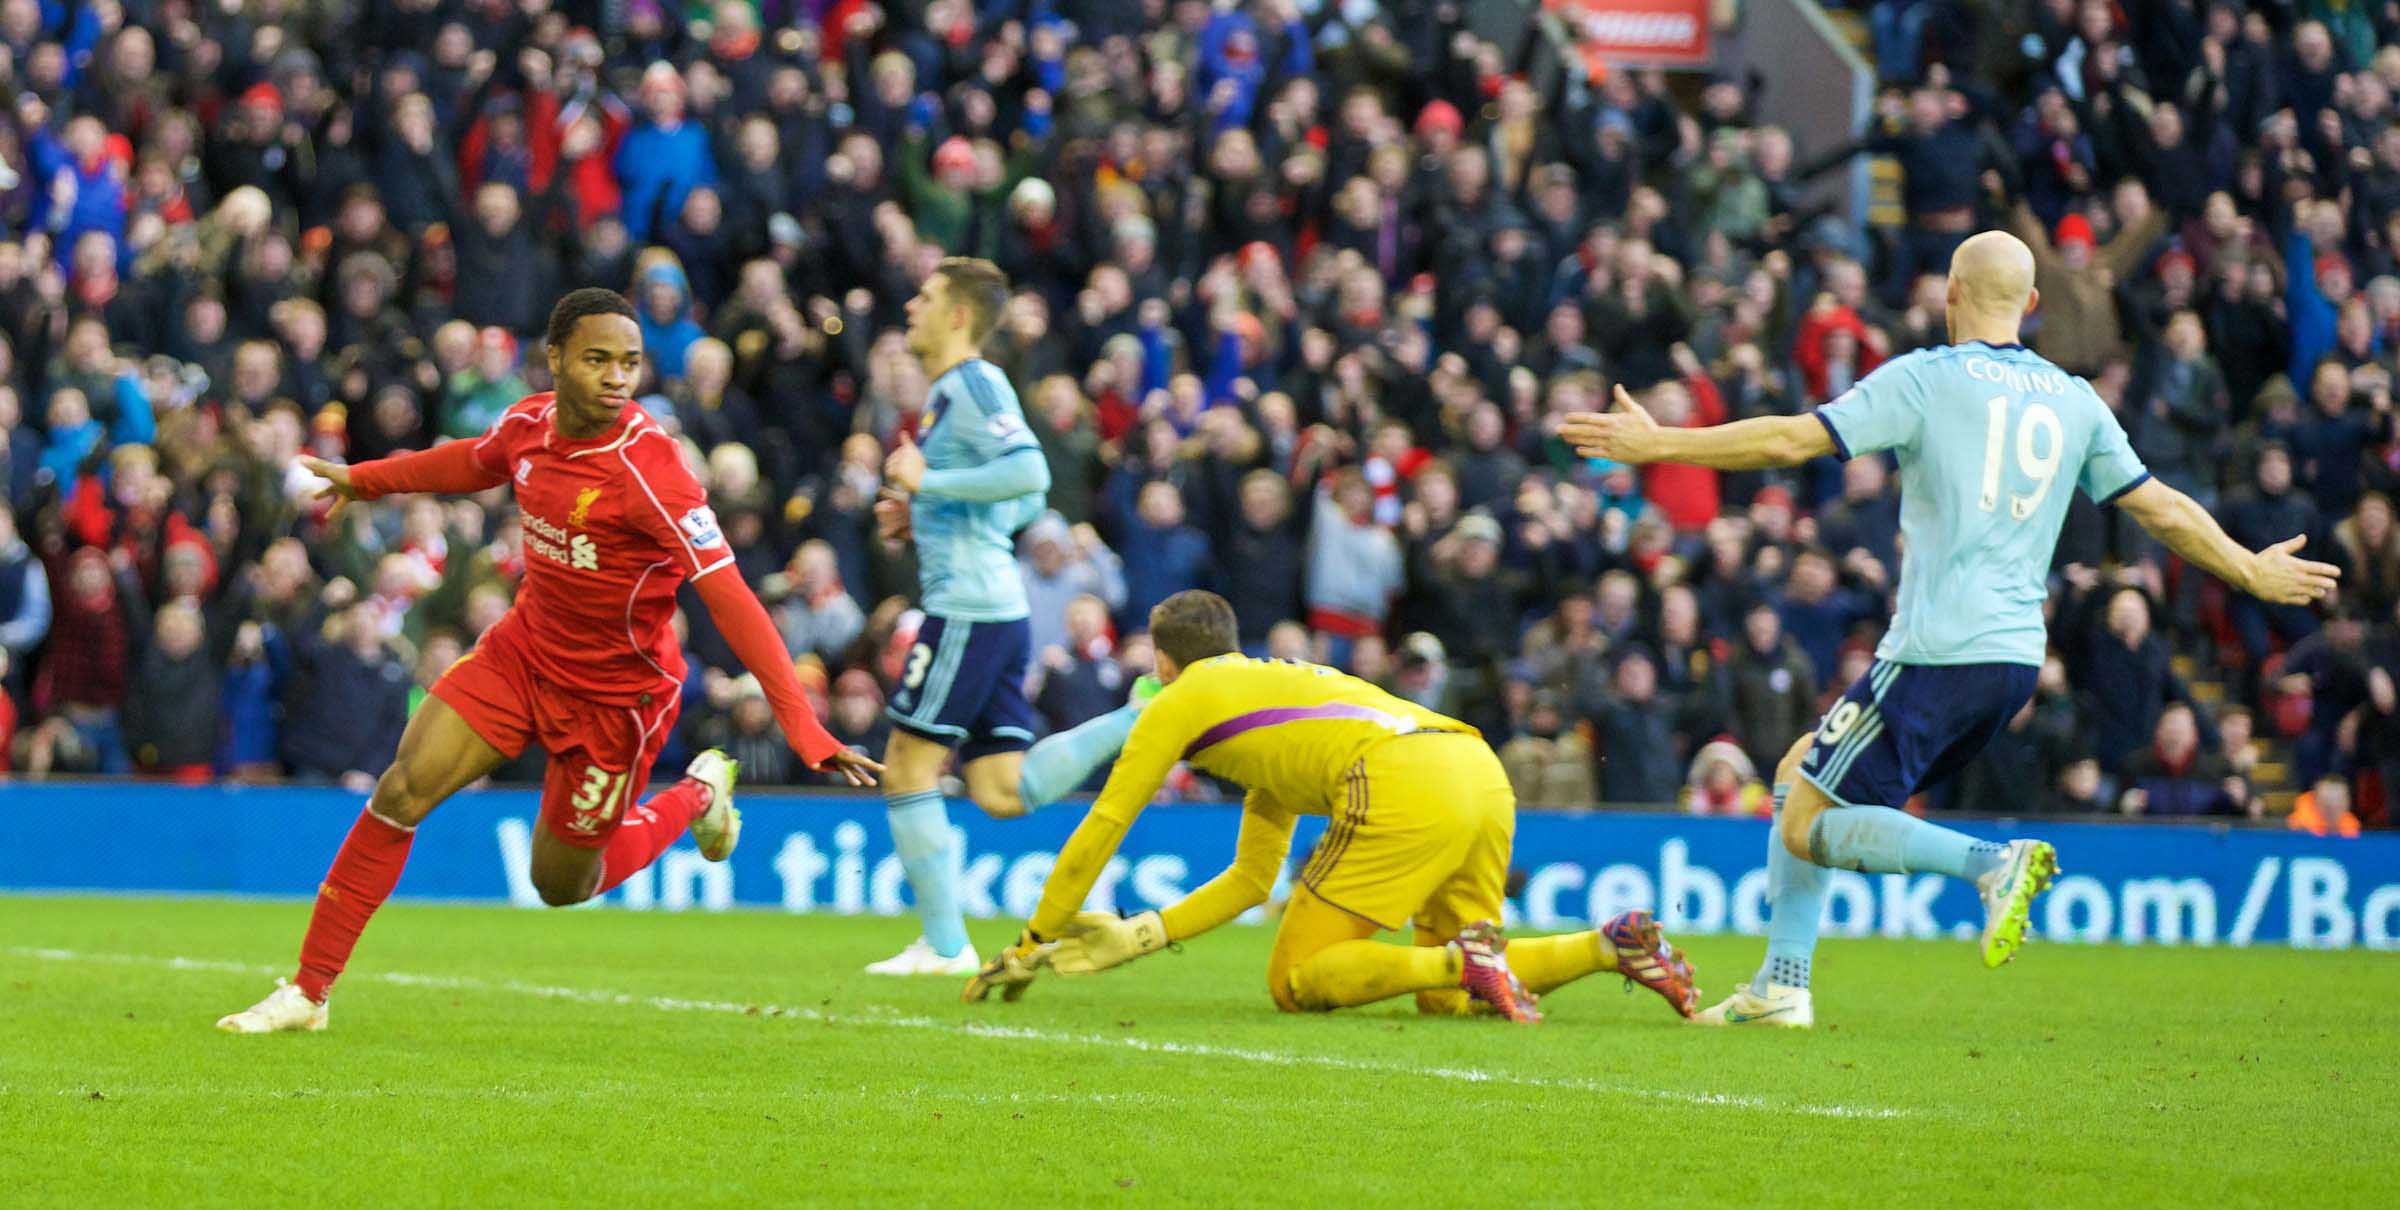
pixel 1419 823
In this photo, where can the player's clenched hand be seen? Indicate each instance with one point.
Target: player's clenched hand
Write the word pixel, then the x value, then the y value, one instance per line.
pixel 2280 576
pixel 337 487
pixel 904 468
pixel 1618 435
pixel 1011 970
pixel 891 516
pixel 1096 941
pixel 857 767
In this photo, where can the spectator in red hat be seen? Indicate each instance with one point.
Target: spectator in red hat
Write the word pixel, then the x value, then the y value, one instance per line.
pixel 2078 327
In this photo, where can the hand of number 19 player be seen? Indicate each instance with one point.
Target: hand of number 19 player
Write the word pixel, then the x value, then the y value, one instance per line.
pixel 2279 575
pixel 337 488
pixel 857 767
pixel 1616 435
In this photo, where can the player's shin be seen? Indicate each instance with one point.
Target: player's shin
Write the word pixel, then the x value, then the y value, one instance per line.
pixel 1880 840
pixel 649 830
pixel 1546 963
pixel 1795 907
pixel 360 879
pixel 1361 972
pixel 1061 762
pixel 929 854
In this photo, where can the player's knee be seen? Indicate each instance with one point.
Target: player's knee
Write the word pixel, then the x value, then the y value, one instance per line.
pixel 556 895
pixel 1797 820
pixel 1001 802
pixel 1280 990
pixel 399 799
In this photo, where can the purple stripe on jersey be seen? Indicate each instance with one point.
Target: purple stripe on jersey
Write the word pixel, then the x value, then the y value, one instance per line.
pixel 1292 714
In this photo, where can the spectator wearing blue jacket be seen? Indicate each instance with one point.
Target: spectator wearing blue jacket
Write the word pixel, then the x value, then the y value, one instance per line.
pixel 83 185
pixel 664 297
pixel 1236 63
pixel 662 158
pixel 2316 283
pixel 1163 555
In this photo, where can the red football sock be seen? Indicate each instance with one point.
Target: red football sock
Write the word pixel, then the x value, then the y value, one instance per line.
pixel 648 830
pixel 362 876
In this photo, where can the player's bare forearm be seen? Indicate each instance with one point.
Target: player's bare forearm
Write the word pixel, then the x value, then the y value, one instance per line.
pixel 1628 434
pixel 1745 445
pixel 2276 574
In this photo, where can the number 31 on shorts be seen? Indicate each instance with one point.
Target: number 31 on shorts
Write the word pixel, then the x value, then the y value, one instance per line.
pixel 598 792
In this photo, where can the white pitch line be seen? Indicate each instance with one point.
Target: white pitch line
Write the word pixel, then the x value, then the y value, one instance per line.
pixel 985 1029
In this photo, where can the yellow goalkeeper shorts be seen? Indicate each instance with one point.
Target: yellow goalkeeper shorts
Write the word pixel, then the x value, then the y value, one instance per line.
pixel 1420 829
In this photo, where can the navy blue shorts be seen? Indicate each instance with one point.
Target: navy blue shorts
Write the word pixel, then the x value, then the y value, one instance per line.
pixel 964 685
pixel 1903 727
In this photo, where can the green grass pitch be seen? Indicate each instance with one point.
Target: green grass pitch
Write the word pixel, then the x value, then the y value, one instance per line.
pixel 495 1057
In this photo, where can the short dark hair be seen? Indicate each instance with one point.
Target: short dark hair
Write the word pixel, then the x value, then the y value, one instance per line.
pixel 579 304
pixel 1193 625
pixel 979 286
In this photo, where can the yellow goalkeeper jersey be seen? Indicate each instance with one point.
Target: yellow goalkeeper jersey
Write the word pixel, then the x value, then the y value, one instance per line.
pixel 1283 729
pixel 1287 732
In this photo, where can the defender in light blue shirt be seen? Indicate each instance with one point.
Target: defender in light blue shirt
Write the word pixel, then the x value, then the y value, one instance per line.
pixel 1990 439
pixel 978 478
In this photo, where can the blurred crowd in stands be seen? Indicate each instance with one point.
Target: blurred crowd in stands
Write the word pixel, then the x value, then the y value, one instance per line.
pixel 1302 288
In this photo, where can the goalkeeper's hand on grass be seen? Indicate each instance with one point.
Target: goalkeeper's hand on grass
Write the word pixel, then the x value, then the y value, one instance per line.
pixel 1096 941
pixel 1011 970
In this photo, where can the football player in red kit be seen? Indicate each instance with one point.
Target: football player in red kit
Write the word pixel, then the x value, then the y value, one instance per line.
pixel 584 664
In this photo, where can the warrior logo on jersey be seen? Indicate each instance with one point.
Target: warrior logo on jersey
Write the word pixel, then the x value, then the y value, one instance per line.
pixel 582 511
pixel 700 525
pixel 524 470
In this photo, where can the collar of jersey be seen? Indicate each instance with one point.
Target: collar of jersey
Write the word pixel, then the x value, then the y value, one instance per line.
pixel 563 444
pixel 933 415
pixel 2017 345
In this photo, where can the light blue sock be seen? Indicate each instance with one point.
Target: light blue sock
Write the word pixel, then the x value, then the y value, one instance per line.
pixel 1880 840
pixel 929 852
pixel 1795 905
pixel 1058 764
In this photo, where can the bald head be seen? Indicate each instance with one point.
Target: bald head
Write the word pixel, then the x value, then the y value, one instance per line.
pixel 1991 285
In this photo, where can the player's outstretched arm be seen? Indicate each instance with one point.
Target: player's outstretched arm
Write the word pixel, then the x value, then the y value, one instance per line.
pixel 1157 742
pixel 751 634
pixel 2277 574
pixel 451 468
pixel 1628 434
pixel 1097 941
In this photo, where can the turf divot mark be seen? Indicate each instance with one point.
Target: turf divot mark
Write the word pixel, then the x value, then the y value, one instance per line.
pixel 889 1019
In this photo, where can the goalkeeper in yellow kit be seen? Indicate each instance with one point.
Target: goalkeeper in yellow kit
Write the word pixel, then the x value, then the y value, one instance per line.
pixel 1420 819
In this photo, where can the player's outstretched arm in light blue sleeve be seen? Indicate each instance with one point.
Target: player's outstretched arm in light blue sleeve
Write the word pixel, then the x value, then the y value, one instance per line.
pixel 1628 434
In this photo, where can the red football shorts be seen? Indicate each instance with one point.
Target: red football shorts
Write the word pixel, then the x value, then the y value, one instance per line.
pixel 600 755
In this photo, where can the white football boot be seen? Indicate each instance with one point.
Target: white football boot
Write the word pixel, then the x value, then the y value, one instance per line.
pixel 920 958
pixel 1787 1007
pixel 284 1009
pixel 719 828
pixel 2025 870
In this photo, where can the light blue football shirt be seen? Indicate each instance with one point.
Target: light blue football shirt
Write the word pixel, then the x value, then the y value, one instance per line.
pixel 1991 440
pixel 966 549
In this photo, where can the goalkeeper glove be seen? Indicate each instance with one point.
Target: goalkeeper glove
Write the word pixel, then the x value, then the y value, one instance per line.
pixel 1011 970
pixel 1096 941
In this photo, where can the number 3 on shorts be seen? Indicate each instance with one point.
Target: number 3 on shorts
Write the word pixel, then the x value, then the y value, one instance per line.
pixel 598 791
pixel 920 657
